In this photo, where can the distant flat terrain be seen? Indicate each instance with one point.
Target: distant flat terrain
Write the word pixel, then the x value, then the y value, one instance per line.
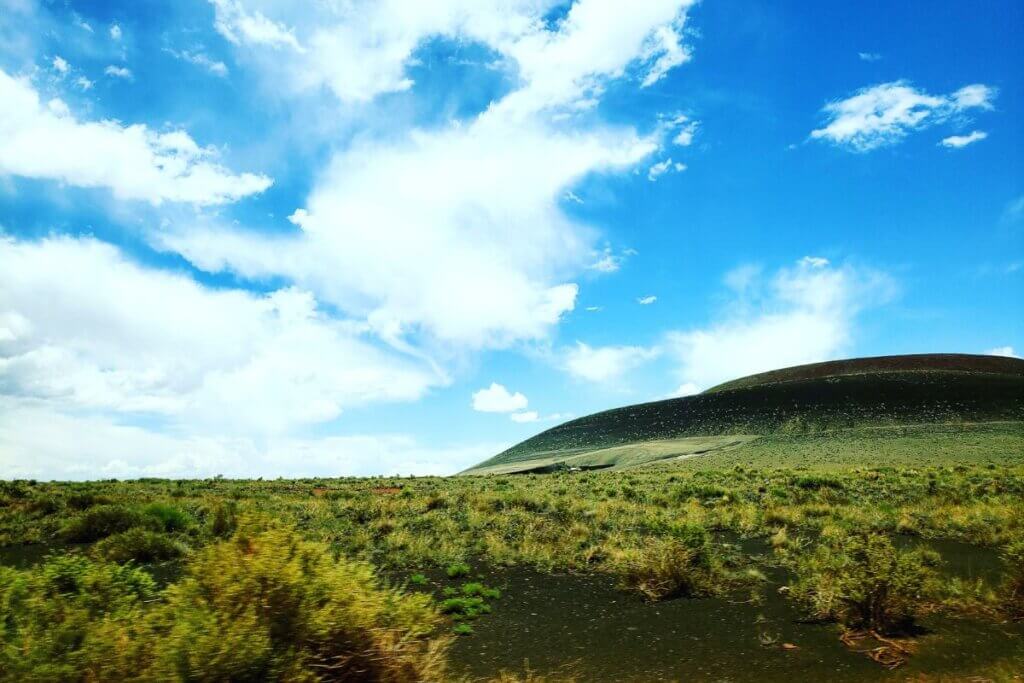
pixel 836 400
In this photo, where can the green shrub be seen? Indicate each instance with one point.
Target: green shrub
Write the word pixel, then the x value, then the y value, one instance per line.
pixel 44 505
pixel 264 605
pixel 268 605
pixel 84 501
pixel 670 568
pixel 465 608
pixel 457 569
pixel 167 517
pixel 101 521
pixel 815 483
pixel 68 617
pixel 862 581
pixel 418 579
pixel 138 545
pixel 1012 590
pixel 478 589
pixel 224 519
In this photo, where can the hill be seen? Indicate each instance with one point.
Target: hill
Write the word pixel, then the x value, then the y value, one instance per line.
pixel 847 394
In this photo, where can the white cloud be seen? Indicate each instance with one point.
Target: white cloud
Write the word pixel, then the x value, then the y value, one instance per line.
pixel 83 83
pixel 594 309
pixel 814 262
pixel 40 443
pixel 82 24
pixel 685 389
pixel 60 65
pixel 133 161
pixel 665 48
pixel 118 72
pixel 457 234
pixel 83 328
pixel 646 300
pixel 742 277
pixel 976 95
pixel 609 261
pixel 957 141
pixel 239 25
pixel 605 363
pixel 1002 351
pixel 884 114
pixel 115 32
pixel 201 59
pixel 361 49
pixel 663 167
pixel 869 56
pixel 525 416
pixel 802 314
pixel 497 399
pixel 685 129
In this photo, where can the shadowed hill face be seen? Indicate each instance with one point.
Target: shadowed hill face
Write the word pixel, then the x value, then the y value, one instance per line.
pixel 924 362
pixel 863 392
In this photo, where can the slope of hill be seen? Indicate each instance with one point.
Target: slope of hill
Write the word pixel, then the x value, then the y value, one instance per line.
pixel 889 390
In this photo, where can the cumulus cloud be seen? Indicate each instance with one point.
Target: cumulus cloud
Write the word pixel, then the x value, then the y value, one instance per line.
pixel 801 314
pixel 37 442
pixel 457 234
pixel 1006 351
pixel 869 56
pixel 133 161
pixel 525 416
pixel 60 65
pixel 884 114
pixel 685 389
pixel 604 363
pixel 647 300
pixel 84 328
pixel 497 399
pixel 361 49
pixel 115 32
pixel 958 141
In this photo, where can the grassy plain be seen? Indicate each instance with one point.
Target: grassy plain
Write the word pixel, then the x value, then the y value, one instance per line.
pixel 660 530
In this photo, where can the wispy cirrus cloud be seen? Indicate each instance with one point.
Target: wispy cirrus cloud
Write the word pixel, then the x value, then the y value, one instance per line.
pixel 958 141
pixel 884 114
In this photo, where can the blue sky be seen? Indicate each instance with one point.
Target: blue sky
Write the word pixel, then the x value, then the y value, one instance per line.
pixel 256 239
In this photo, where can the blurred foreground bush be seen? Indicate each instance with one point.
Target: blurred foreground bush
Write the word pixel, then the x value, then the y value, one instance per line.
pixel 262 605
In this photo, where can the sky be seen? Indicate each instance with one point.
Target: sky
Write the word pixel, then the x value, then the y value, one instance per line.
pixel 258 238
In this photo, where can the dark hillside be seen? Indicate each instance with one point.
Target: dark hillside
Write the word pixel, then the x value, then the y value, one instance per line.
pixel 923 362
pixel 863 392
